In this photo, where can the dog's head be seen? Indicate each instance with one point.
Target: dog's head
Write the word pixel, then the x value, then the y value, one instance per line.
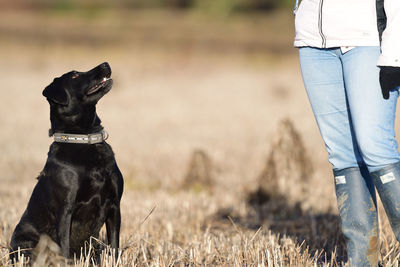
pixel 74 95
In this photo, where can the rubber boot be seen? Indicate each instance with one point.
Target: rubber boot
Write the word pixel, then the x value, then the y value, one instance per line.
pixel 387 182
pixel 356 199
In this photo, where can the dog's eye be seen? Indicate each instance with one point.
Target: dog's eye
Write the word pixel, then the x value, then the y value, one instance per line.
pixel 74 76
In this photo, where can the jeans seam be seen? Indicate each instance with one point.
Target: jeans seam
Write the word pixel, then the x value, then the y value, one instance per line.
pixel 331 112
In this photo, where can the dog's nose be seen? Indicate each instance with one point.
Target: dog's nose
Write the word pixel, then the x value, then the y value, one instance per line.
pixel 105 65
pixel 106 69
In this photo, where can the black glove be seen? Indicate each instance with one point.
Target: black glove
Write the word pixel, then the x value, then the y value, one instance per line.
pixel 389 78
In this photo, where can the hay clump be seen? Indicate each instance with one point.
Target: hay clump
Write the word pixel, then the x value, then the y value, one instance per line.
pixel 288 169
pixel 200 174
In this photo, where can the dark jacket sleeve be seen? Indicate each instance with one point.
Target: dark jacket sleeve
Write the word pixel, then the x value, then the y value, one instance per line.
pixel 381 16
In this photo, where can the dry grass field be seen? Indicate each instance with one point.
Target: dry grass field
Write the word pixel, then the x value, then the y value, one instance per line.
pixel 211 127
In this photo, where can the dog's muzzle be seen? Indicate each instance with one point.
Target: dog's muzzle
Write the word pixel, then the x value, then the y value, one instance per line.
pixel 94 138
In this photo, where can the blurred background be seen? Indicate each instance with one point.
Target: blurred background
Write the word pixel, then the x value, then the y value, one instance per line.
pixel 207 105
pixel 218 5
pixel 212 74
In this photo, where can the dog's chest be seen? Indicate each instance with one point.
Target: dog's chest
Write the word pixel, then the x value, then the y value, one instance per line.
pixel 96 189
pixel 88 172
pixel 94 199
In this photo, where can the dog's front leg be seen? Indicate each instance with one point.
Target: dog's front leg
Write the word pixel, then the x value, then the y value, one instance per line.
pixel 113 225
pixel 65 219
pixel 64 230
pixel 66 189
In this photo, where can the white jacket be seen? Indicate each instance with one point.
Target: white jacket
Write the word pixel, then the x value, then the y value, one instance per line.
pixel 390 46
pixel 341 23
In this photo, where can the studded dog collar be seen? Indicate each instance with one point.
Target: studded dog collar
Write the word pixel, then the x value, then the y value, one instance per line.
pixel 81 138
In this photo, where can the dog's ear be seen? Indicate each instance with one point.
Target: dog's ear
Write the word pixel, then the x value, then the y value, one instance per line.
pixel 56 92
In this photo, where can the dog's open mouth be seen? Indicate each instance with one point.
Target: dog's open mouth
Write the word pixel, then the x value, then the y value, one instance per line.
pixel 103 83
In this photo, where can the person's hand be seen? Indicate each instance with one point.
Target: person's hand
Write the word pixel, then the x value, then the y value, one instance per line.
pixel 389 78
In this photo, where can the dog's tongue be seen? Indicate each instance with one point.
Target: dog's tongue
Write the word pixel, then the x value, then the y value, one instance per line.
pixel 96 87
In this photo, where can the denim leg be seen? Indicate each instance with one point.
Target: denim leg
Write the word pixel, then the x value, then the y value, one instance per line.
pixel 372 116
pixel 373 119
pixel 322 72
pixel 323 79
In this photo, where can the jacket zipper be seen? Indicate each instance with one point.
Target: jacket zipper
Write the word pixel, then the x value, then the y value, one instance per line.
pixel 321 4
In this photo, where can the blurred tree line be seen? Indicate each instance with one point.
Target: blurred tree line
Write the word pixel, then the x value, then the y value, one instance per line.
pixel 223 6
pixel 239 5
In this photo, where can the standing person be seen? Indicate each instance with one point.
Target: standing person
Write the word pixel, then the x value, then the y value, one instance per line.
pixel 338 43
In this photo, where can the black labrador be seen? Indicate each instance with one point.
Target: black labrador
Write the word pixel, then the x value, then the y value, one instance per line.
pixel 80 186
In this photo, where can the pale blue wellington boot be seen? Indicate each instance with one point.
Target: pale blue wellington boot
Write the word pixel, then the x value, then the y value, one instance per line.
pixel 387 182
pixel 356 199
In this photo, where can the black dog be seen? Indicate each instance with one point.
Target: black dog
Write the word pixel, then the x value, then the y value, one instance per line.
pixel 80 187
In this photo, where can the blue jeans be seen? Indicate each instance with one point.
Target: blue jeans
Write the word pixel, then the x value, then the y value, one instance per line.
pixel 356 123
